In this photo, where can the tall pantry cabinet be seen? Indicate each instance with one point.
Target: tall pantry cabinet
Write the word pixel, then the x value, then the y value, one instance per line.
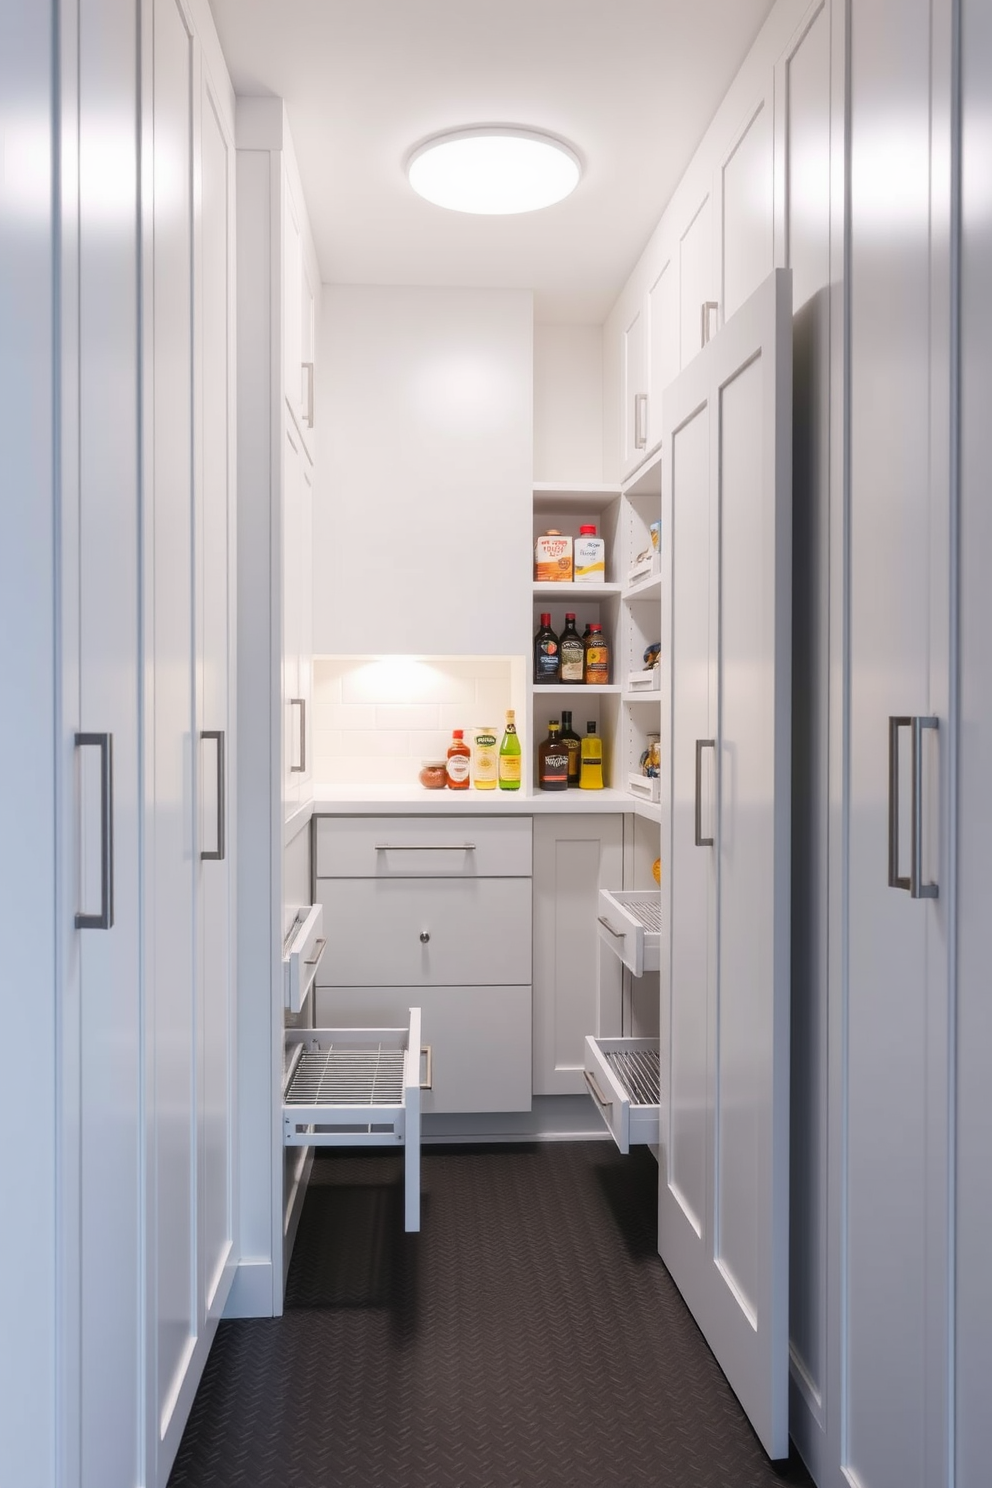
pixel 141 1240
pixel 278 413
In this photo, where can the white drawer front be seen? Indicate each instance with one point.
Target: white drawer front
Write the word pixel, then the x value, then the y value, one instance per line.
pixel 478 931
pixel 423 847
pixel 480 1039
pixel 630 1121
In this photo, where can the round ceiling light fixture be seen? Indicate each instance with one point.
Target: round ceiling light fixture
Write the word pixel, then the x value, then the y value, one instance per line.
pixel 494 170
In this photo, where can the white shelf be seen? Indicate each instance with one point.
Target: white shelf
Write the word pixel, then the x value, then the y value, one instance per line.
pixel 575 591
pixel 575 689
pixel 646 479
pixel 646 589
pixel 642 697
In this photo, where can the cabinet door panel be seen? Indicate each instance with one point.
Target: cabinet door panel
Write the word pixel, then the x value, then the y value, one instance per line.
pixel 634 391
pixel 695 279
pixel 479 931
pixel 747 210
pixel 479 1039
pixel 214 656
pixel 292 294
pixel 293 704
pixel 663 342
pixel 170 829
pixel 724 1195
pixel 574 857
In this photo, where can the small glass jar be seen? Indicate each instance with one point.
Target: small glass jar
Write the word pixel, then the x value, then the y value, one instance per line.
pixel 433 774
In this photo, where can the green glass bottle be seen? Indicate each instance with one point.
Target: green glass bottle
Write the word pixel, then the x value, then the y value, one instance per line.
pixel 509 755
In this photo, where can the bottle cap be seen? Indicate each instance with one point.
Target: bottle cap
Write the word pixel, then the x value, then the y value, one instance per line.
pixel 588 530
pixel 553 532
pixel 510 715
pixel 590 728
pixel 595 627
pixel 569 615
pixel 458 733
pixel 553 723
pixel 546 618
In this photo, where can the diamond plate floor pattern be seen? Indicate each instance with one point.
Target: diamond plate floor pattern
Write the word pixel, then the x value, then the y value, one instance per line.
pixel 528 1337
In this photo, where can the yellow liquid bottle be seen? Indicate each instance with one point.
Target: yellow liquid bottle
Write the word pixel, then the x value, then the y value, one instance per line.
pixel 591 769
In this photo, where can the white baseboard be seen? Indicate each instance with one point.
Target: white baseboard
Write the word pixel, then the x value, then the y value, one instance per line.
pixel 251 1290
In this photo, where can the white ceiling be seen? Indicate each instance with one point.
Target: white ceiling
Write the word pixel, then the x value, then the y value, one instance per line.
pixel 632 84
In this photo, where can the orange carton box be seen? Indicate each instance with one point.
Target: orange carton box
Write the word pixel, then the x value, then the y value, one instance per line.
pixel 553 559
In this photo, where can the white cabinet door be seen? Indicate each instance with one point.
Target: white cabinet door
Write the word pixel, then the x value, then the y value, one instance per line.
pixel 895 1181
pixel 662 342
pixel 634 392
pixel 724 1191
pixel 215 550
pixel 696 286
pixel 294 707
pixel 746 208
pixel 308 352
pixel 574 858
pixel 101 1404
pixel 170 1015
pixel 304 581
pixel 292 299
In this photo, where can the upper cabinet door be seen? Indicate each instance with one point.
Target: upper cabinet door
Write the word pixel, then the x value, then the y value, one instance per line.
pixel 292 292
pixel 663 342
pixel 697 295
pixel 745 198
pixel 724 1183
pixel 634 394
pixel 308 341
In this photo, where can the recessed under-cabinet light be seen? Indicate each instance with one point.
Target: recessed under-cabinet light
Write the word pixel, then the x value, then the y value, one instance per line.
pixel 494 170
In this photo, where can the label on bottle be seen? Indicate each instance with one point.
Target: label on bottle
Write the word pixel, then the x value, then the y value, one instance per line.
pixel 547 661
pixel 572 661
pixel 554 771
pixel 484 759
pixel 509 768
pixel 597 664
pixel 458 767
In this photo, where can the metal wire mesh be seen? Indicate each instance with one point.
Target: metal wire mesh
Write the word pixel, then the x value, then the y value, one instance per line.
pixel 639 1072
pixel 347 1077
pixel 647 912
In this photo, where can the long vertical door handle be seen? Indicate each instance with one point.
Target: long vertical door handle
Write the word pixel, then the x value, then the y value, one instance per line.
pixel 300 703
pixel 105 919
pixel 895 724
pixel 221 850
pixel 701 744
pixel 640 420
pixel 917 888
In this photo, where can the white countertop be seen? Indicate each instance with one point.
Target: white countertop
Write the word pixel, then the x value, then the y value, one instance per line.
pixel 406 800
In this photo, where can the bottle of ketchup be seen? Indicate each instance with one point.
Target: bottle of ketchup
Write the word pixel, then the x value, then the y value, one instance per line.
pixel 459 761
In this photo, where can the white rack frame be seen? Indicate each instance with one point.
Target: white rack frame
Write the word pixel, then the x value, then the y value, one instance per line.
pixel 368 1121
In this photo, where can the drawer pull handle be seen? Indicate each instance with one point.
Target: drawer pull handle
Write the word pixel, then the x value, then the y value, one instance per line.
pixel 425 847
pixel 617 934
pixel 319 945
pixel 428 1050
pixel 425 936
pixel 594 1087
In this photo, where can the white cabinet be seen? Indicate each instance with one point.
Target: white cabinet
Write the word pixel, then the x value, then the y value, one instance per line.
pixel 744 190
pixel 435 913
pixel 634 393
pixel 698 305
pixel 663 352
pixel 299 275
pixel 297 623
pixel 575 858
pixel 726 685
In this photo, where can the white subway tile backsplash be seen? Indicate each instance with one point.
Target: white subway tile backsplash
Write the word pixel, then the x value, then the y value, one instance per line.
pixel 374 721
pixel 406 716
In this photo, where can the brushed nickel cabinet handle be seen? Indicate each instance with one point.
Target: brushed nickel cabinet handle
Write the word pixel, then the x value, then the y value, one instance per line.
pixel 594 1087
pixel 425 847
pixel 640 420
pixel 105 918
pixel 617 934
pixel 221 851
pixel 917 888
pixel 428 1050
pixel 705 310
pixel 895 724
pixel 300 703
pixel 319 945
pixel 701 744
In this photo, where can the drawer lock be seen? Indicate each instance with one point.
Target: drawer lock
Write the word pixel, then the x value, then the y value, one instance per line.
pixel 425 936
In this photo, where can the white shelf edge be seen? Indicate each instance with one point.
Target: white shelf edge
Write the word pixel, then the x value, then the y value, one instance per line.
pixel 571 689
pixel 641 697
pixel 574 488
pixel 643 474
pixel 649 589
pixel 575 591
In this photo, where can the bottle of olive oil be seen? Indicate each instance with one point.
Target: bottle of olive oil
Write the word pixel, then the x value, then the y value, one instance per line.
pixel 591 776
pixel 509 755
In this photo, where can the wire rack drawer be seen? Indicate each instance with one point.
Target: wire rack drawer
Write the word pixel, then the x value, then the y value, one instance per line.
pixel 630 924
pixel 624 1080
pixel 351 1087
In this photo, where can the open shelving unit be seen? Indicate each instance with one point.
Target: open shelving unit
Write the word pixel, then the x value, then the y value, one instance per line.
pixel 630 613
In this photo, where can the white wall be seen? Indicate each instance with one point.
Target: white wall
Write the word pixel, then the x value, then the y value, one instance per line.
pixel 568 404
pixel 422 511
